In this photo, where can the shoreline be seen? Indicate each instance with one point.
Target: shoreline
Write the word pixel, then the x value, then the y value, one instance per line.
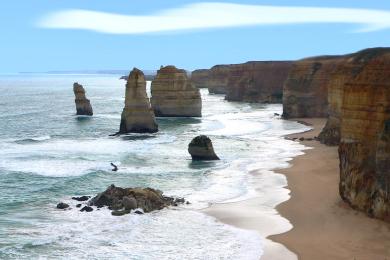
pixel 310 221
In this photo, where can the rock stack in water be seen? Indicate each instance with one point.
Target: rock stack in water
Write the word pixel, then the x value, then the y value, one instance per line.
pixel 137 116
pixel 201 148
pixel 83 106
pixel 174 95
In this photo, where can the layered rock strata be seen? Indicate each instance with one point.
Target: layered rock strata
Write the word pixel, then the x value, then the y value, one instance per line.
pixel 305 92
pixel 83 105
pixel 364 148
pixel 200 78
pixel 173 95
pixel 201 148
pixel 218 79
pixel 137 115
pixel 257 81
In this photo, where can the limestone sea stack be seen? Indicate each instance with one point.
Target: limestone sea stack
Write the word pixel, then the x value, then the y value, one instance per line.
pixel 201 148
pixel 364 149
pixel 173 95
pixel 305 92
pixel 137 115
pixel 218 79
pixel 83 105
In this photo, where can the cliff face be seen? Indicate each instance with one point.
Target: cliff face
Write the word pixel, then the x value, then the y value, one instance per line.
pixel 257 81
pixel 364 148
pixel 83 105
pixel 218 79
pixel 305 92
pixel 174 95
pixel 137 116
pixel 200 78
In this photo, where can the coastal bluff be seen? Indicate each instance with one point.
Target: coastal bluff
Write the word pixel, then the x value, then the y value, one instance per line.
pixel 254 81
pixel 174 95
pixel 364 148
pixel 137 115
pixel 83 105
pixel 305 92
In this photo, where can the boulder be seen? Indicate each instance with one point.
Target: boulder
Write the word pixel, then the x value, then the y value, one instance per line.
pixel 127 199
pixel 173 95
pixel 83 105
pixel 137 115
pixel 86 209
pixel 201 148
pixel 62 205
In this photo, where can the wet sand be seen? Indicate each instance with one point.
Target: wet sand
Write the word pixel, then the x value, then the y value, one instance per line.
pixel 323 227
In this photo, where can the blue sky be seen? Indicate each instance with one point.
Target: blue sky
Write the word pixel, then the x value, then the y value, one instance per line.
pixel 27 45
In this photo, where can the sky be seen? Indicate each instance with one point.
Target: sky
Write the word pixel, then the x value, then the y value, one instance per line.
pixel 63 35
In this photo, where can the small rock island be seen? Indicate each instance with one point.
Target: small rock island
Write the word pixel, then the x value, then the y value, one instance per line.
pixel 83 105
pixel 201 149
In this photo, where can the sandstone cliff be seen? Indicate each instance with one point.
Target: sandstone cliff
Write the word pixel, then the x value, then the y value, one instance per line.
pixel 364 148
pixel 218 79
pixel 174 95
pixel 305 92
pixel 200 78
pixel 257 81
pixel 83 105
pixel 137 115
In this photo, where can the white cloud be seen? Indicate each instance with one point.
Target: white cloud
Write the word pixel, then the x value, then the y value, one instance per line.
pixel 213 15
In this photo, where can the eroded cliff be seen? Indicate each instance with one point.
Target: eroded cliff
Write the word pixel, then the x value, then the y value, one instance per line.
pixel 83 105
pixel 364 148
pixel 200 78
pixel 305 92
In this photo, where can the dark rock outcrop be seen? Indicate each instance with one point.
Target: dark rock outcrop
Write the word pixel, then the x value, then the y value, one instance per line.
pixel 83 105
pixel 123 200
pixel 137 115
pixel 201 148
pixel 62 205
pixel 173 95
pixel 305 92
pixel 81 198
pixel 364 148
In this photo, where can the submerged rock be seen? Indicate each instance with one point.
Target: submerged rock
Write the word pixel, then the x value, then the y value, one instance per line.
pixel 123 200
pixel 82 198
pixel 83 105
pixel 86 209
pixel 201 148
pixel 174 95
pixel 62 205
pixel 137 116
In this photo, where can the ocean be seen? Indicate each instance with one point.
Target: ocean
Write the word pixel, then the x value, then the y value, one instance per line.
pixel 48 154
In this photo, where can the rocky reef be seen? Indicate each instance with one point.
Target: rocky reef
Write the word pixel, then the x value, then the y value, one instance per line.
pixel 174 95
pixel 305 92
pixel 201 148
pixel 83 105
pixel 123 200
pixel 137 115
pixel 257 81
pixel 364 148
pixel 200 78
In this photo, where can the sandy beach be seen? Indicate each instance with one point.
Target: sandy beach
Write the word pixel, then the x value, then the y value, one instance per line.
pixel 323 226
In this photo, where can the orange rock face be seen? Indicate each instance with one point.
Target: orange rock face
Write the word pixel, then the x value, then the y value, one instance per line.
pixel 257 81
pixel 305 92
pixel 364 148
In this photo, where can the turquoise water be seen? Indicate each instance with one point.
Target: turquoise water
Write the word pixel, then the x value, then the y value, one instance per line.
pixel 47 155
